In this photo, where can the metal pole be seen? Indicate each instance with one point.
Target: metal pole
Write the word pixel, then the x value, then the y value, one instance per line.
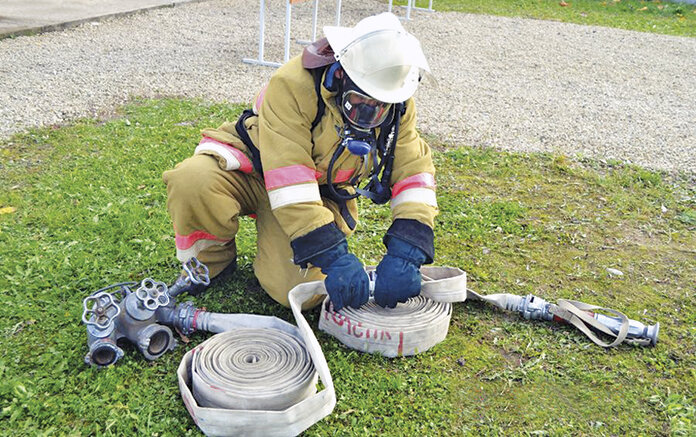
pixel 411 5
pixel 338 12
pixel 262 30
pixel 314 20
pixel 314 26
pixel 288 13
pixel 428 9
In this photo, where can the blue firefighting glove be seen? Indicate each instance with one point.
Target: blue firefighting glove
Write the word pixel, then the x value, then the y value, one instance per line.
pixel 398 275
pixel 346 280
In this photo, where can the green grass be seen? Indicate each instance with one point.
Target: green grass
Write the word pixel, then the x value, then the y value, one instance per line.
pixel 84 206
pixel 642 15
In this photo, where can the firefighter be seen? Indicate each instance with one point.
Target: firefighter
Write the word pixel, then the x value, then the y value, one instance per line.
pixel 334 123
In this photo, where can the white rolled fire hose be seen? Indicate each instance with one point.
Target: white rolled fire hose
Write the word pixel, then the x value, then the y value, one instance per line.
pixel 412 327
pixel 258 376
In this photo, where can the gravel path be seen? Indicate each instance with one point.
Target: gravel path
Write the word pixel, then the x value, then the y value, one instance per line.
pixel 515 84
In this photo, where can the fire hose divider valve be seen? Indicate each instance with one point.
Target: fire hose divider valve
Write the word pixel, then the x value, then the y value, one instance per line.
pixel 196 273
pixel 151 338
pixel 153 294
pixel 134 315
pixel 100 310
pixel 100 313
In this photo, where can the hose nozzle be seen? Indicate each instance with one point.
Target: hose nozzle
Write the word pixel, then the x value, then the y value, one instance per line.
pixel 535 308
pixel 636 330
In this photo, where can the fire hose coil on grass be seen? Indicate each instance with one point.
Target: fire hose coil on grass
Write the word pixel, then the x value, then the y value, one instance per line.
pixel 258 375
pixel 252 369
pixel 411 328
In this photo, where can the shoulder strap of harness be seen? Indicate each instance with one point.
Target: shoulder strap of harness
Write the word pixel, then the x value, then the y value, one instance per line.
pixel 318 74
pixel 246 139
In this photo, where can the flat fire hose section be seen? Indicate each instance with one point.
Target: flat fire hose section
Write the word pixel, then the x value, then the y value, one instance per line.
pixel 422 322
pixel 258 374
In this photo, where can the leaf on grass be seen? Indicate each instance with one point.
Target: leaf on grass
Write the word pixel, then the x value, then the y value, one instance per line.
pixel 19 327
pixel 644 8
pixel 562 3
pixel 7 210
pixel 614 272
pixel 20 389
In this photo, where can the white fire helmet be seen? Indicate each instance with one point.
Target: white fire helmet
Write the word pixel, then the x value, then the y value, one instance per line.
pixel 380 57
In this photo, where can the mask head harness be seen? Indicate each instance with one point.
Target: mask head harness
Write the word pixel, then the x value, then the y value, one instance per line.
pixel 362 115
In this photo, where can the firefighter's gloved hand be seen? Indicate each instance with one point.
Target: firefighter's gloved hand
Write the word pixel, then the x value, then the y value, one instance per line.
pixel 346 280
pixel 398 274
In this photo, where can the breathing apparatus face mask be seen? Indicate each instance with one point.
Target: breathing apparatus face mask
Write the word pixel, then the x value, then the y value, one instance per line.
pixel 361 114
pixel 363 111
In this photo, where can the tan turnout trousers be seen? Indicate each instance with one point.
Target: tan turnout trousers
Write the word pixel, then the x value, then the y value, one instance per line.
pixel 205 203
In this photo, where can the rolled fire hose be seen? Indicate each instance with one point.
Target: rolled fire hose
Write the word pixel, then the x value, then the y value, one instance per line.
pixel 258 374
pixel 412 327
